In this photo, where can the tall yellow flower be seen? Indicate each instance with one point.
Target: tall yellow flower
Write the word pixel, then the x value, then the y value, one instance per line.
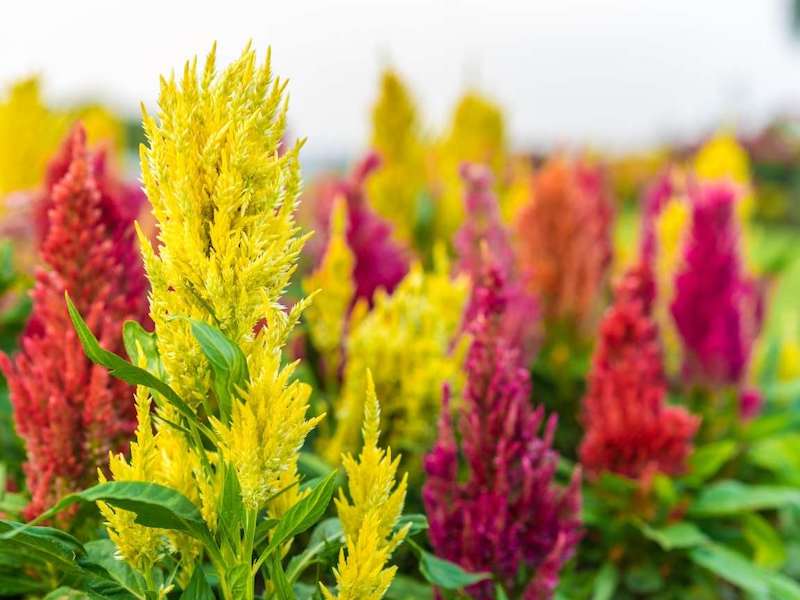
pixel 406 341
pixel 671 227
pixel 224 201
pixel 395 187
pixel 723 158
pixel 370 515
pixel 29 134
pixel 327 316
pixel 477 134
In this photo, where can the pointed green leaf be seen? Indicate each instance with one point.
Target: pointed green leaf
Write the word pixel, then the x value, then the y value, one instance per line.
pixel 731 497
pixel 678 535
pixel 198 588
pixel 443 573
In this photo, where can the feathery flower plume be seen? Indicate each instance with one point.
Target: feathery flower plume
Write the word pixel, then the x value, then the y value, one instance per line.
pixel 406 341
pixel 224 199
pixel 327 317
pixel 368 518
pixel 506 515
pixel 380 262
pixel 477 134
pixel 70 412
pixel 629 428
pixel 483 237
pixel 397 184
pixel 717 308
pixel 723 159
pixel 564 237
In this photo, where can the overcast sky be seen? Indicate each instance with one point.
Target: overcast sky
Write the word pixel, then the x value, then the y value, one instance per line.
pixel 613 73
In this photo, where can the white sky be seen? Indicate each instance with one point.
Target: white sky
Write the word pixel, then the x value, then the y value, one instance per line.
pixel 604 72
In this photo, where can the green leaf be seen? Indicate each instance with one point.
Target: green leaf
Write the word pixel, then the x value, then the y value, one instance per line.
pixel 418 522
pixel 768 549
pixel 198 588
pixel 142 344
pixel 780 455
pixel 731 497
pixel 154 505
pixel 678 535
pixel 104 554
pixel 707 460
pixel 231 509
pixel 301 516
pixel 124 370
pixel 19 584
pixel 327 535
pixel 643 579
pixel 500 592
pixel 606 582
pixel 278 578
pixel 239 579
pixel 228 364
pixel 443 573
pixel 732 567
pixel 407 588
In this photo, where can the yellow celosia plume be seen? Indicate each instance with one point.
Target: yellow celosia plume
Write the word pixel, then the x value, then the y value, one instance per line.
pixel 477 134
pixel 224 201
pixel 327 316
pixel 722 158
pixel 671 229
pixel 30 133
pixel 407 343
pixel 394 189
pixel 370 515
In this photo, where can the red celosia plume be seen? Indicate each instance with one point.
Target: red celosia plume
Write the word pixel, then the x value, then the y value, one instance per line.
pixel 68 411
pixel 629 428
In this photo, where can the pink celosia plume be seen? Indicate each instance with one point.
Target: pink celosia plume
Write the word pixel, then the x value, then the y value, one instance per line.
pixel 506 515
pixel 483 239
pixel 380 262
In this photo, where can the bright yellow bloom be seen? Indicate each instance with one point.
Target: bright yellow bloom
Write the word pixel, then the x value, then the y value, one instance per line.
pixel 327 316
pixel 224 201
pixel 29 134
pixel 228 244
pixel 477 134
pixel 723 158
pixel 394 189
pixel 671 228
pixel 369 517
pixel 406 341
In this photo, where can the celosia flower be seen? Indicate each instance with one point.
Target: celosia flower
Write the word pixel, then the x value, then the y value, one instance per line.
pixel 717 308
pixel 501 510
pixel 380 263
pixel 723 159
pixel 406 340
pixel 395 188
pixel 477 133
pixel 630 430
pixel 369 517
pixel 564 237
pixel 327 316
pixel 70 412
pixel 483 238
pixel 225 201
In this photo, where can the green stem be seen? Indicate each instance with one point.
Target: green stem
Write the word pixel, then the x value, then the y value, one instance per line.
pixel 250 517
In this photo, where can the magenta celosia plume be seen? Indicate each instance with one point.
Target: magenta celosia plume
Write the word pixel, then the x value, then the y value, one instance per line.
pixel 380 262
pixel 483 238
pixel 656 197
pixel 718 309
pixel 629 428
pixel 68 411
pixel 500 511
